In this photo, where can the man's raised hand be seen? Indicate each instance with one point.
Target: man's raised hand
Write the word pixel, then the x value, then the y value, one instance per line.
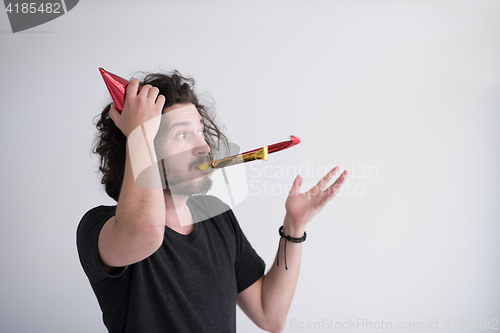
pixel 302 207
pixel 139 108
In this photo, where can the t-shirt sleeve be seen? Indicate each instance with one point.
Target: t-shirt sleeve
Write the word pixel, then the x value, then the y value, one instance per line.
pixel 249 265
pixel 87 236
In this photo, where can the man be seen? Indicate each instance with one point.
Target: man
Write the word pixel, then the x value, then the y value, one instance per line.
pixel 152 268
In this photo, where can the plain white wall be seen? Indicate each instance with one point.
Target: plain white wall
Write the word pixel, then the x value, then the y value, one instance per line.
pixel 408 88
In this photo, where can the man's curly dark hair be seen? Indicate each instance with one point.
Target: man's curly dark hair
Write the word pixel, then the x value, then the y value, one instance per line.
pixel 110 143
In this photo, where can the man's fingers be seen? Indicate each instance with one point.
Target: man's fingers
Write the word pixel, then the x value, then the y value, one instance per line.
pixel 160 101
pixel 332 190
pixel 145 90
pixel 153 93
pixel 132 88
pixel 113 112
pixel 335 187
pixel 296 185
pixel 327 178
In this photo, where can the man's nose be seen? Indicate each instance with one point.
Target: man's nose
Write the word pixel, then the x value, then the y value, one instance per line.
pixel 201 147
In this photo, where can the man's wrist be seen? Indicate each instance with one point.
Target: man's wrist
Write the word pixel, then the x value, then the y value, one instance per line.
pixel 290 229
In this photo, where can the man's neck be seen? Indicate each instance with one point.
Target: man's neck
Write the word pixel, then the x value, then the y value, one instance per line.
pixel 178 214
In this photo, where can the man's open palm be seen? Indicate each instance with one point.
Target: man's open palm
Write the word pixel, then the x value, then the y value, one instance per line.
pixel 302 207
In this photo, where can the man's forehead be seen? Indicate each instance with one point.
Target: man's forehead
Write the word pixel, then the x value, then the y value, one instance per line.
pixel 181 113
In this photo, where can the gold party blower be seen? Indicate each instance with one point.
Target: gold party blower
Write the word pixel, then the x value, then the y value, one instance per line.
pixel 251 155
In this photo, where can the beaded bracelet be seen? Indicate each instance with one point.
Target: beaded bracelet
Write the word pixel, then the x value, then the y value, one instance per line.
pixel 290 239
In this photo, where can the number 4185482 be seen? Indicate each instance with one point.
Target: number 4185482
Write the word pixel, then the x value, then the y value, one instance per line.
pixel 26 8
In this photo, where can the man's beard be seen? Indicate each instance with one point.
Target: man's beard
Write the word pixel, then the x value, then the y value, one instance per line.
pixel 180 183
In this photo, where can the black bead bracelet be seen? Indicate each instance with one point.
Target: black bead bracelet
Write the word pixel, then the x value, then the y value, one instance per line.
pixel 290 239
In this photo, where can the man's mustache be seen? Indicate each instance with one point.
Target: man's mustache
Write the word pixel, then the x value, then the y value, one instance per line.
pixel 199 161
pixel 193 165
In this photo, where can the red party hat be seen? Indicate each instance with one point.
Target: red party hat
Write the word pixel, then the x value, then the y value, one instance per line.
pixel 116 86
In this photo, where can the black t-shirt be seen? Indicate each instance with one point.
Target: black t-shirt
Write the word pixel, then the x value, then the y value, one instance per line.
pixel 188 285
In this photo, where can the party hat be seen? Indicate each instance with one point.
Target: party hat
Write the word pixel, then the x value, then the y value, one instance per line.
pixel 116 86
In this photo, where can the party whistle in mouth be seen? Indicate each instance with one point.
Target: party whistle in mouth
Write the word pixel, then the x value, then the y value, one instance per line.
pixel 251 155
pixel 260 154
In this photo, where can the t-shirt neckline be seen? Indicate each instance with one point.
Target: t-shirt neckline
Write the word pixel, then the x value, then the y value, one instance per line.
pixel 194 233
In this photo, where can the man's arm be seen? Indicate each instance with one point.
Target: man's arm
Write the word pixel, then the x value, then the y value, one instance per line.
pixel 268 300
pixel 136 231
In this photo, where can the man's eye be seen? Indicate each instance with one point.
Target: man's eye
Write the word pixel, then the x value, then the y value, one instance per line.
pixel 182 135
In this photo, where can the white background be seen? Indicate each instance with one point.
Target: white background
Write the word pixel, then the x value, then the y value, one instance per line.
pixel 410 88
